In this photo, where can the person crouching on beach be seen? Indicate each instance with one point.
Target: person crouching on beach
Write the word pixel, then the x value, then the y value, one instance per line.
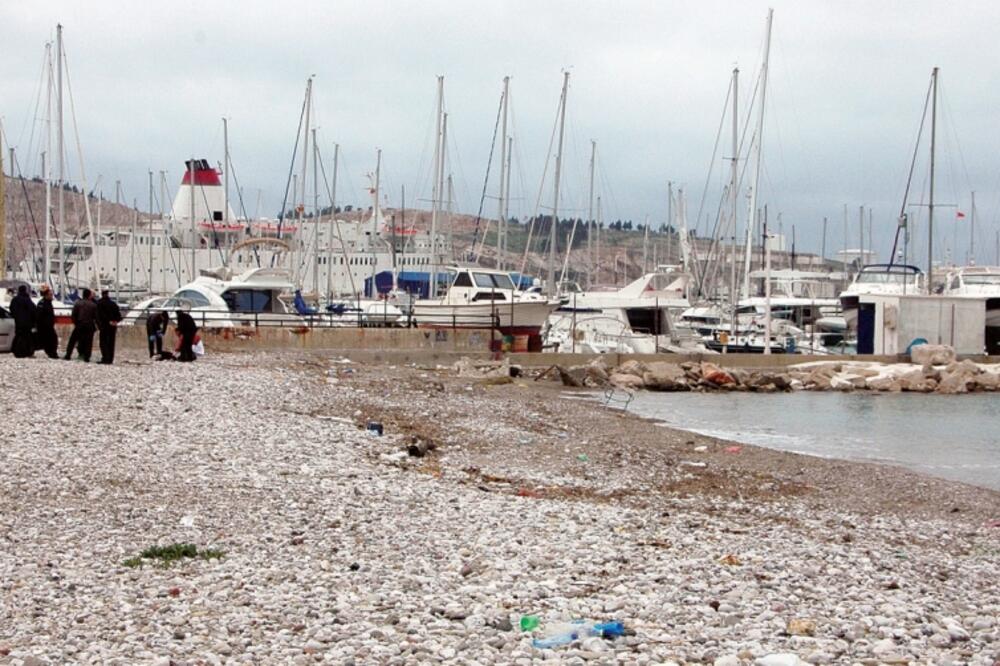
pixel 186 329
pixel 156 328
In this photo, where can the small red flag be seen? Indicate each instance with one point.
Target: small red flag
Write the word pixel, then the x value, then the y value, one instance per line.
pixel 959 215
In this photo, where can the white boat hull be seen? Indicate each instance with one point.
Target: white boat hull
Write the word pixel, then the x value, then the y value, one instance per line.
pixel 519 317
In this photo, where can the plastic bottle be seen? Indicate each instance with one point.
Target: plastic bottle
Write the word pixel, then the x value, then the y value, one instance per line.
pixel 568 632
pixel 529 622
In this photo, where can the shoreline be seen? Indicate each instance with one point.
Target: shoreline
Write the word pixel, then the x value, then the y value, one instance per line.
pixel 337 545
pixel 733 438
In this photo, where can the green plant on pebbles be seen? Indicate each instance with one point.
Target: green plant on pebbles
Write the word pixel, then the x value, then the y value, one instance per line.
pixel 167 555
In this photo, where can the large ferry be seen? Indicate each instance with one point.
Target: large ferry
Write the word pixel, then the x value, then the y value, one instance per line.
pixel 326 257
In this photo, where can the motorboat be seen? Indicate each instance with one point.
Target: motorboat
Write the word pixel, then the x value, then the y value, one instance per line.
pixel 484 298
pixel 889 279
pixel 257 297
pixel 638 318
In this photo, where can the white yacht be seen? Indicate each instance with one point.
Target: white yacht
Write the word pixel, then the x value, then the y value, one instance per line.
pixel 878 279
pixel 484 298
pixel 638 318
pixel 978 282
pixel 254 298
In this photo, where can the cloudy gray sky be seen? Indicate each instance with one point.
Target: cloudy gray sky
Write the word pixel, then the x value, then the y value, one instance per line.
pixel 151 82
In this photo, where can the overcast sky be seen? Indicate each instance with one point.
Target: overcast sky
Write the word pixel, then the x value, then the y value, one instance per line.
pixel 151 82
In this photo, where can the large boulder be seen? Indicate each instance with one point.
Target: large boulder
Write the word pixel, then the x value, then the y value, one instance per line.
pixel 958 377
pixel 884 383
pixel 625 381
pixel 987 381
pixel 715 375
pixel 662 376
pixel 918 384
pixel 845 382
pixel 631 367
pixel 932 354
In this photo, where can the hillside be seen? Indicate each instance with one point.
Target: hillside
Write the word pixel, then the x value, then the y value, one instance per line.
pixel 621 257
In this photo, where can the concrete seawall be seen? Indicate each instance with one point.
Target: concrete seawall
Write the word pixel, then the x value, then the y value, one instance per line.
pixel 442 346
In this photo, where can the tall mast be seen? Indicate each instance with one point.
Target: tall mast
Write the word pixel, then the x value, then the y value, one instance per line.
pixel 451 218
pixel 501 220
pixel 333 216
pixel 3 212
pixel 131 254
pixel 758 145
pixel 645 246
pixel 598 249
pixel 930 203
pixel 47 165
pixel 375 214
pixel 316 215
pixel 163 231
pixel 118 265
pixel 553 232
pixel 861 237
pixel 590 210
pixel 149 233
pixel 670 215
pixel 733 199
pixel 436 195
pixel 62 156
pixel 822 251
pixel 301 198
pixel 972 232
pixel 506 203
pixel 225 172
pixel 194 228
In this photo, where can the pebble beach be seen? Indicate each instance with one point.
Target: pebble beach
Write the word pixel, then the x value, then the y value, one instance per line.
pixel 328 543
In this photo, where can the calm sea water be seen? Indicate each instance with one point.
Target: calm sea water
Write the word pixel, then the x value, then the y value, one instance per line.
pixel 954 437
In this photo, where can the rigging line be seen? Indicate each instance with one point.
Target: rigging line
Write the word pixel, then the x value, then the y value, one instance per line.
pixel 291 168
pixel 909 178
pixel 46 64
pixel 215 234
pixel 31 213
pixel 486 180
pixel 541 188
pixel 708 179
pixel 336 223
pixel 83 173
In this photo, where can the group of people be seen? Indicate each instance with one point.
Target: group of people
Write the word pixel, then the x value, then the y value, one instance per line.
pixel 35 327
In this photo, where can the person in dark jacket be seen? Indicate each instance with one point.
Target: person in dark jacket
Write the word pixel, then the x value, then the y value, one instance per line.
pixel 84 318
pixel 46 338
pixel 156 328
pixel 186 328
pixel 108 316
pixel 22 309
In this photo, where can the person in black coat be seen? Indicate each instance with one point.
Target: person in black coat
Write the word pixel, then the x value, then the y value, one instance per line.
pixel 46 338
pixel 84 317
pixel 108 316
pixel 22 309
pixel 156 327
pixel 186 328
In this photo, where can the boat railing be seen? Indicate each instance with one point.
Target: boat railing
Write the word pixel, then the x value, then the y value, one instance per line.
pixel 352 318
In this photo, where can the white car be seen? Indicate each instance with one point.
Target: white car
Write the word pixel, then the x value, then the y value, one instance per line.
pixel 6 330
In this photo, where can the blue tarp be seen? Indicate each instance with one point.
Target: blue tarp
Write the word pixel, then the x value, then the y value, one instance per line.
pixel 412 282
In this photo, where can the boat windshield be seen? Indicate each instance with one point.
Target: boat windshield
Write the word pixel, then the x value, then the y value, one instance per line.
pixel 982 279
pixel 493 281
pixel 248 300
pixel 882 276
